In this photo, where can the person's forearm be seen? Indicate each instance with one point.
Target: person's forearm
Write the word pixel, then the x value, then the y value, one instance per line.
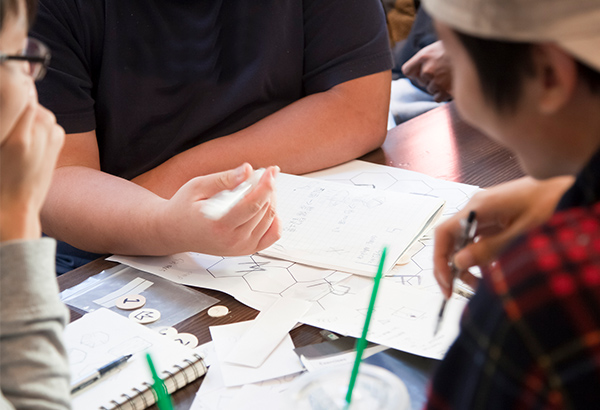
pixel 318 131
pixel 102 213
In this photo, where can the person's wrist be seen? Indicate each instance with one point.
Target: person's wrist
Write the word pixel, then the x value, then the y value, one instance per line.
pixel 164 226
pixel 19 223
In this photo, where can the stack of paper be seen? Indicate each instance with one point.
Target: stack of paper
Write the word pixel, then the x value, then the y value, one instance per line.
pixel 345 227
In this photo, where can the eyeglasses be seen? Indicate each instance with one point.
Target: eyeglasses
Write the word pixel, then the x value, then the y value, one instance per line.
pixel 36 54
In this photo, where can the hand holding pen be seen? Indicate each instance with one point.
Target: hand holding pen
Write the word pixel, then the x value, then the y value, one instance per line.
pixel 467 234
pixel 504 212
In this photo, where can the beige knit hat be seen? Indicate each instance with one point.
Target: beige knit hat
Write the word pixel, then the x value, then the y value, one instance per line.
pixel 572 24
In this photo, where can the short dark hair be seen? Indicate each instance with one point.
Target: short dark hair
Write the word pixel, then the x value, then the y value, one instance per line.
pixel 502 67
pixel 12 6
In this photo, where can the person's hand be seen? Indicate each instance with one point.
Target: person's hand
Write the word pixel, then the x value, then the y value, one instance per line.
pixel 503 213
pixel 28 156
pixel 430 69
pixel 248 227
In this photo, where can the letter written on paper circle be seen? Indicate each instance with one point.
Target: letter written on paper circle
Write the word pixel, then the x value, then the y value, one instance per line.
pixel 145 315
pixel 130 302
pixel 168 331
pixel 186 339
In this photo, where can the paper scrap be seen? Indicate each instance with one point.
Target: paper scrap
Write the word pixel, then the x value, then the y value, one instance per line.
pixel 266 395
pixel 282 362
pixel 267 332
pixel 338 359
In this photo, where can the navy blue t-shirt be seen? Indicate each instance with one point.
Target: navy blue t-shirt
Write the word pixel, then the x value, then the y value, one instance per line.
pixel 155 78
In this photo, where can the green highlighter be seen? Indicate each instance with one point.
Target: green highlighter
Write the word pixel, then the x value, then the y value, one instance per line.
pixel 163 400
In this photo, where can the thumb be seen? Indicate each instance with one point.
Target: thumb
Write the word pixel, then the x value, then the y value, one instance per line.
pixel 226 180
pixel 203 187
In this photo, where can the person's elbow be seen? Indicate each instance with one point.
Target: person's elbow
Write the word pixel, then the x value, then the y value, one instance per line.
pixel 369 98
pixel 374 128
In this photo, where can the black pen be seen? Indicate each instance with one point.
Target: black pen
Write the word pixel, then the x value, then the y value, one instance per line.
pixel 97 374
pixel 467 235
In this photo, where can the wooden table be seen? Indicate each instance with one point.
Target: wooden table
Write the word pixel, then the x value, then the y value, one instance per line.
pixel 437 143
pixel 440 144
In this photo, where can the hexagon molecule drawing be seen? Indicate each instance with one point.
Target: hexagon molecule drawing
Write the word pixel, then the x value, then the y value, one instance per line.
pixel 281 278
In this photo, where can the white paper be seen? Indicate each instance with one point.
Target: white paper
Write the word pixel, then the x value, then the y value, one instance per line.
pixel 103 336
pixel 282 362
pixel 341 359
pixel 266 395
pixel 267 331
pixel 256 280
pixel 402 316
pixel 345 227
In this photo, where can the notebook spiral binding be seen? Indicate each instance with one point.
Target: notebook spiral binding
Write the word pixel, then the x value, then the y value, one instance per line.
pixel 142 397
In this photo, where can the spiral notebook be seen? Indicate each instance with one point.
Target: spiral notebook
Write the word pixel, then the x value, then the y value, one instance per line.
pixel 103 336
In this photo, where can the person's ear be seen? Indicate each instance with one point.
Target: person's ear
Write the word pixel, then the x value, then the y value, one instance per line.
pixel 556 72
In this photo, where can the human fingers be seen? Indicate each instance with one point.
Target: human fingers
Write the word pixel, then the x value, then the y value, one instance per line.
pixel 30 153
pixel 273 232
pixel 256 227
pixel 241 239
pixel 441 96
pixel 254 202
pixel 412 67
pixel 271 236
pixel 491 242
pixel 264 225
pixel 226 180
pixel 49 136
pixel 437 85
pixel 444 242
pixel 20 134
pixel 469 279
pixel 433 89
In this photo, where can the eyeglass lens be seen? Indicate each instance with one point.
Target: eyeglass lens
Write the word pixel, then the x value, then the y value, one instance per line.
pixel 34 48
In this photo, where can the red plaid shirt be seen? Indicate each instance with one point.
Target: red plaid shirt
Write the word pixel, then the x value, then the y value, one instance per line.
pixel 530 338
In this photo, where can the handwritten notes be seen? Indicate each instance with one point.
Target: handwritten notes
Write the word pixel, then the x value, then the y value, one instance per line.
pixel 345 227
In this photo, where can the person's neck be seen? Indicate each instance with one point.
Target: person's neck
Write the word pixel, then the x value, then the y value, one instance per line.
pixel 573 134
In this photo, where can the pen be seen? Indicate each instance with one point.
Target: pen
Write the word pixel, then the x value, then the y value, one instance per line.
pixel 467 235
pixel 97 374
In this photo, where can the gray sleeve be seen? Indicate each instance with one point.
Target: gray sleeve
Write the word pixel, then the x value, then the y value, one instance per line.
pixel 34 370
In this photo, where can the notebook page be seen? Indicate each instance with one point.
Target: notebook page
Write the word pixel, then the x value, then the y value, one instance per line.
pixel 103 336
pixel 345 227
